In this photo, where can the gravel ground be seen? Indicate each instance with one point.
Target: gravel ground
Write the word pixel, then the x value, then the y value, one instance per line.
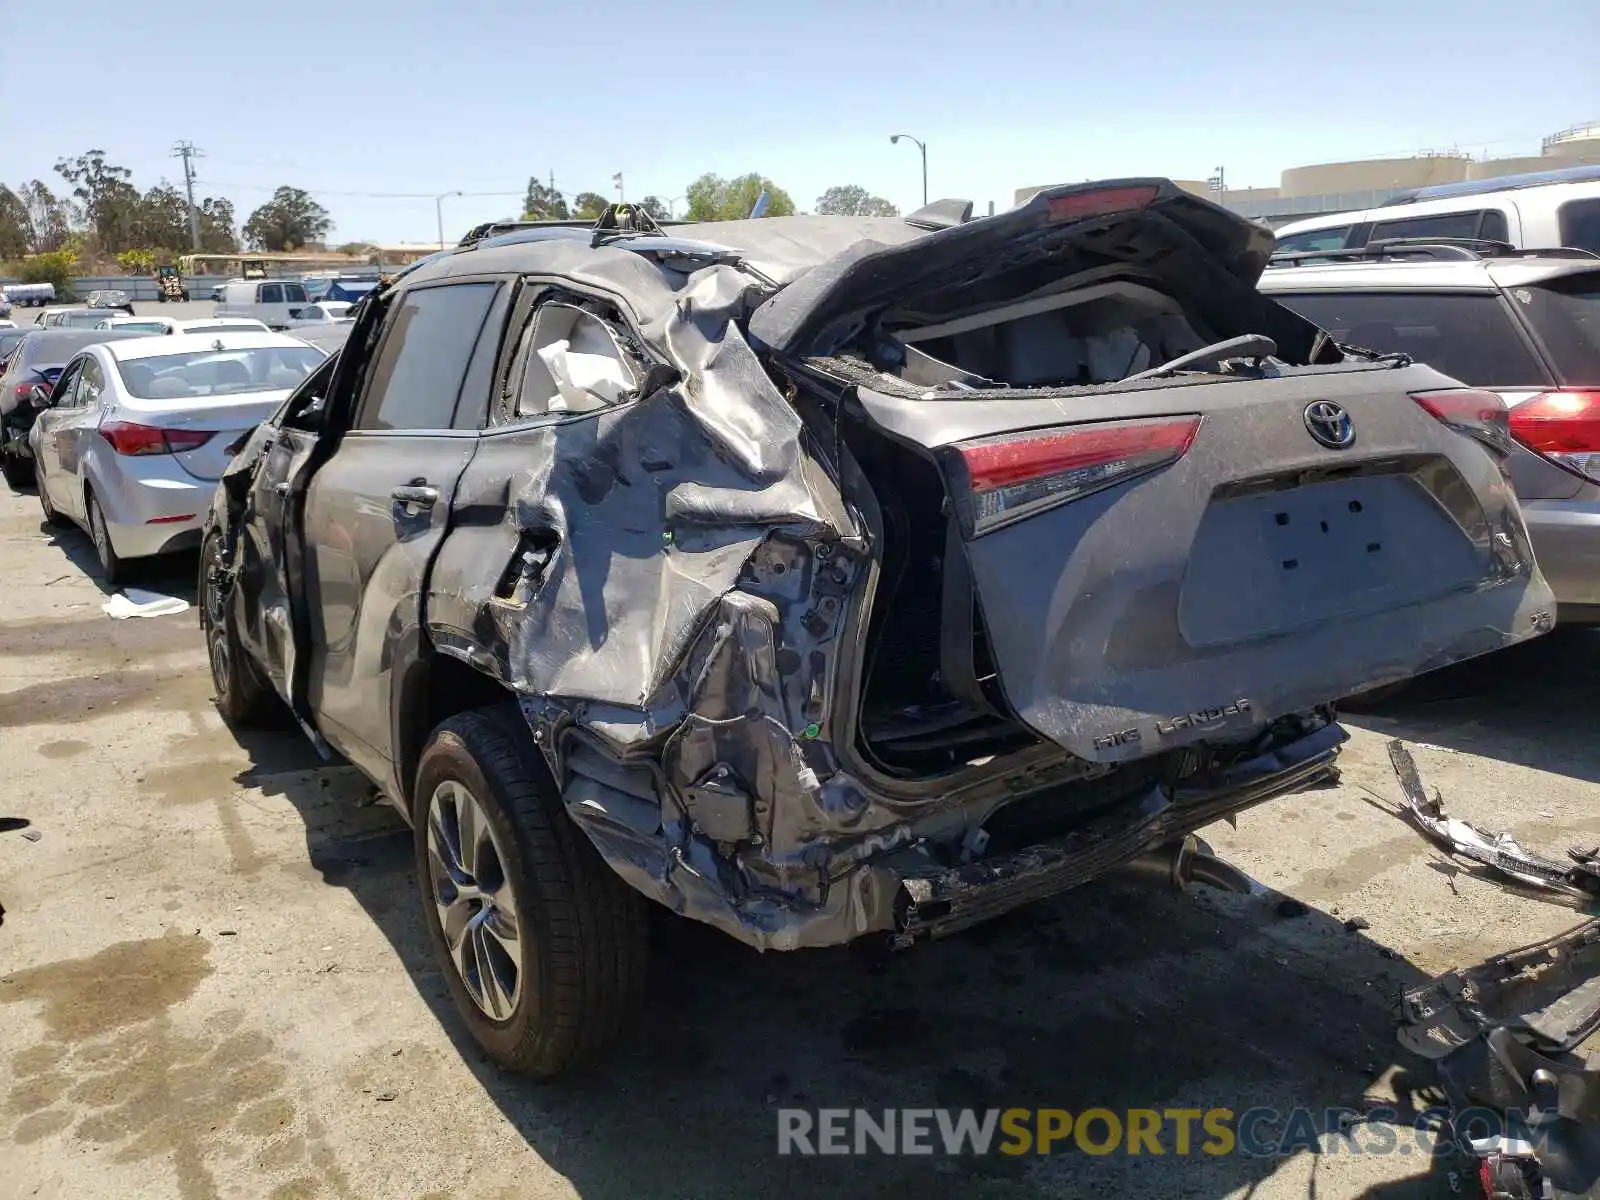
pixel 215 981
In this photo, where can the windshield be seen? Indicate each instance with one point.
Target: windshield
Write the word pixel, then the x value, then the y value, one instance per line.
pixel 1565 313
pixel 1468 336
pixel 217 372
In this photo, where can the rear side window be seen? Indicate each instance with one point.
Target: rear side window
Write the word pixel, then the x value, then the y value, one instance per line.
pixel 1565 315
pixel 426 347
pixel 294 293
pixel 90 383
pixel 271 293
pixel 1480 223
pixel 1315 239
pixel 1580 224
pixel 1470 337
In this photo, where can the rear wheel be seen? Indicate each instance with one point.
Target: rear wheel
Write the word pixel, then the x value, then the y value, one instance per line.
pixel 543 947
pixel 51 516
pixel 113 568
pixel 243 697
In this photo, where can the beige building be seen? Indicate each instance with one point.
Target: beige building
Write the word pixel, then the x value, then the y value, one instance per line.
pixel 1364 183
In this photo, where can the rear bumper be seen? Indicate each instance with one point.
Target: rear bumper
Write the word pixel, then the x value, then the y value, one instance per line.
pixel 942 903
pixel 905 893
pixel 139 514
pixel 1566 541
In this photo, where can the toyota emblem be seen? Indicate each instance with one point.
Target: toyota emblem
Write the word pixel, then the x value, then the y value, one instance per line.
pixel 1330 425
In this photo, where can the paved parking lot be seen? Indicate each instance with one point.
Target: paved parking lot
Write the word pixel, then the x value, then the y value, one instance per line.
pixel 215 981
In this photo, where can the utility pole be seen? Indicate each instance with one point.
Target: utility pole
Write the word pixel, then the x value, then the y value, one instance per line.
pixel 187 152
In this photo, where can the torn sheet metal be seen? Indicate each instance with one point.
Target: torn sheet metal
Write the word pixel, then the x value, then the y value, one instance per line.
pixel 1500 852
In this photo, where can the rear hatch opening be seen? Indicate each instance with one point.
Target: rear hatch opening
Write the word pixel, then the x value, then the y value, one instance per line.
pixel 930 696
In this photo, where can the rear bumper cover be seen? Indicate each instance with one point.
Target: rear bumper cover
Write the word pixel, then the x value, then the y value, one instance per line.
pixel 904 893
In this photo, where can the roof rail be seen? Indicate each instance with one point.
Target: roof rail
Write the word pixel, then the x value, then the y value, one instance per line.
pixel 1434 249
pixel 1504 183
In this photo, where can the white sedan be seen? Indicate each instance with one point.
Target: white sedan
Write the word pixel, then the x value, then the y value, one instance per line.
pixel 173 325
pixel 323 312
pixel 132 439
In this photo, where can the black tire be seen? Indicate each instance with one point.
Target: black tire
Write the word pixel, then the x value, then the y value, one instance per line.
pixel 51 516
pixel 242 696
pixel 161 297
pixel 584 933
pixel 18 472
pixel 113 568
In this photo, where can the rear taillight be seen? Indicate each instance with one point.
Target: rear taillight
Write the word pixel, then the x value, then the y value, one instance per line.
pixel 127 437
pixel 1078 205
pixel 1477 413
pixel 1013 476
pixel 1564 426
pixel 21 392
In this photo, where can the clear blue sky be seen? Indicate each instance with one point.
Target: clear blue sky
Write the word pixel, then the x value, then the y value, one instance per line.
pixel 382 96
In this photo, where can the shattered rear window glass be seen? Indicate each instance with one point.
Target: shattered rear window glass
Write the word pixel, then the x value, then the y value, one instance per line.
pixel 1470 337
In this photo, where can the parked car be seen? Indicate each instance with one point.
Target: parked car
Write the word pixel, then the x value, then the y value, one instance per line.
pixel 1527 329
pixel 174 325
pixel 271 301
pixel 70 318
pixel 36 359
pixel 219 291
pixel 1541 210
pixel 111 298
pixel 328 312
pixel 328 338
pixel 831 577
pixel 130 441
pixel 5 307
pixel 10 336
pixel 8 324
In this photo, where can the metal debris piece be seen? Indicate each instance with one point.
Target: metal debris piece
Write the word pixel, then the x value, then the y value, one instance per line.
pixel 1501 852
pixel 32 835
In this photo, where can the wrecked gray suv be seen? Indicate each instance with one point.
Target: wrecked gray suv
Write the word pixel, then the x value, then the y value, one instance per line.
pixel 823 578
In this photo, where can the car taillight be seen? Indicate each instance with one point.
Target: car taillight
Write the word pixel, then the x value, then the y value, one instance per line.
pixel 1013 476
pixel 1477 413
pixel 127 437
pixel 1564 426
pixel 21 392
pixel 1077 205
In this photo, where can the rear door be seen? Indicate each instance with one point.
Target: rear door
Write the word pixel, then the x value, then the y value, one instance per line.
pixel 78 423
pixel 46 423
pixel 377 509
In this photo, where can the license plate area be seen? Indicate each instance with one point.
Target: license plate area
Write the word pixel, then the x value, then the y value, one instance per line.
pixel 1268 562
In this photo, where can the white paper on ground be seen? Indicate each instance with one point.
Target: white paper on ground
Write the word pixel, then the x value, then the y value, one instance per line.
pixel 137 602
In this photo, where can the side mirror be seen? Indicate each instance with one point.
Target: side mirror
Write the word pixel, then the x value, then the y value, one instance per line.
pixel 39 397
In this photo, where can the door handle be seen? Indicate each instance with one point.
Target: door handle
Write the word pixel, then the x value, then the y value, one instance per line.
pixel 419 494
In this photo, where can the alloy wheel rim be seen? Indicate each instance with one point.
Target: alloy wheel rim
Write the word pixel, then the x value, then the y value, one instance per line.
pixel 102 540
pixel 473 898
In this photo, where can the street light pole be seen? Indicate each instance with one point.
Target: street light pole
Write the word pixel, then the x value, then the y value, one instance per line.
pixel 922 146
pixel 438 213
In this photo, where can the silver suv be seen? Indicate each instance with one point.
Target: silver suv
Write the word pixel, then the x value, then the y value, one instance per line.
pixel 1524 325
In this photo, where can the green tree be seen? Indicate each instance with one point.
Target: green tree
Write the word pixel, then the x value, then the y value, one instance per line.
pixel 588 206
pixel 289 220
pixel 849 200
pixel 137 262
pixel 13 224
pixel 110 203
pixel 656 207
pixel 712 198
pixel 48 218
pixel 54 267
pixel 163 218
pixel 216 221
pixel 544 203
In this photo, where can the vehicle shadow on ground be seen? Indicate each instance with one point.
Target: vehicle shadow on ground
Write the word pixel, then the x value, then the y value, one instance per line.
pixel 1532 704
pixel 170 574
pixel 1114 997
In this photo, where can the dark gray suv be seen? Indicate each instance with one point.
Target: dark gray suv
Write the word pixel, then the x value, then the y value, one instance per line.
pixel 823 578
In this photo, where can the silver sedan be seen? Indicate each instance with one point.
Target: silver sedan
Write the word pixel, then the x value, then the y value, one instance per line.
pixel 131 440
